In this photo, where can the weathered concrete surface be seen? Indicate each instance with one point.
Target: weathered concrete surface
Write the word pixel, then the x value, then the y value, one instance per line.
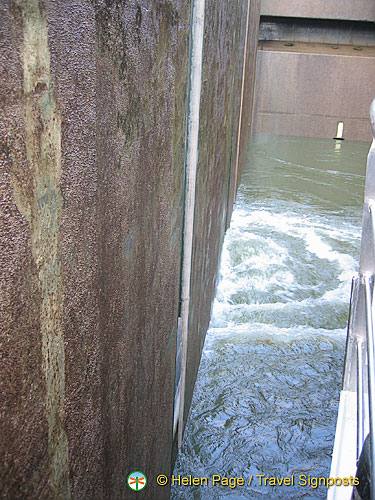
pixel 359 10
pixel 317 86
pixel 92 133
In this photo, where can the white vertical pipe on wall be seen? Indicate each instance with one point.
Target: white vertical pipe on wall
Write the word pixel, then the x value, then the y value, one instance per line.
pixel 191 160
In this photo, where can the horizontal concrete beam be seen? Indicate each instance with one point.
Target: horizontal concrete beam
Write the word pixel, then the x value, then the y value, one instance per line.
pixel 360 10
pixel 318 31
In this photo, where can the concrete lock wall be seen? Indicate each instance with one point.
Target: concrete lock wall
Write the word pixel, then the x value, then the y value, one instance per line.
pixel 358 10
pixel 305 91
pixel 315 67
pixel 92 134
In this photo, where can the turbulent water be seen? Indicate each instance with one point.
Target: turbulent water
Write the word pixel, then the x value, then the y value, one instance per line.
pixel 267 392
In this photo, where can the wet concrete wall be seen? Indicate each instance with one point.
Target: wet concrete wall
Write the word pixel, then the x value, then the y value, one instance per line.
pixel 92 133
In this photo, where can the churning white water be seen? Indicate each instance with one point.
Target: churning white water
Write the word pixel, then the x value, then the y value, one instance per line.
pixel 266 396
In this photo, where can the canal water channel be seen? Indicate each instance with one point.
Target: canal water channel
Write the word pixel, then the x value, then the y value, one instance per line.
pixel 266 397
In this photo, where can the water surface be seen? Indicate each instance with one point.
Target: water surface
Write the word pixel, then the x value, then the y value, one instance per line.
pixel 267 392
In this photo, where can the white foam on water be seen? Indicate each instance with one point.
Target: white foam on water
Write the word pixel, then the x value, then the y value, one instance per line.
pixel 316 245
pixel 250 329
pixel 246 219
pixel 265 258
pixel 263 266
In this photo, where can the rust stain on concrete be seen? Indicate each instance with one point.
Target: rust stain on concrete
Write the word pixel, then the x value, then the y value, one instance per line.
pixel 43 211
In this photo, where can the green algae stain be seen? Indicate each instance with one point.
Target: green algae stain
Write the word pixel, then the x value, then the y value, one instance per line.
pixel 43 211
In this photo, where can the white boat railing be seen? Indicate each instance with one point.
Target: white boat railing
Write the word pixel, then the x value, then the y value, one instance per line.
pixel 356 416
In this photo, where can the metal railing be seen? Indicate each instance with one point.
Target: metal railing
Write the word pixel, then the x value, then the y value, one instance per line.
pixel 358 388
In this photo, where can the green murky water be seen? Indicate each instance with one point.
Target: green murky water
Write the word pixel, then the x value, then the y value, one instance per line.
pixel 266 397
